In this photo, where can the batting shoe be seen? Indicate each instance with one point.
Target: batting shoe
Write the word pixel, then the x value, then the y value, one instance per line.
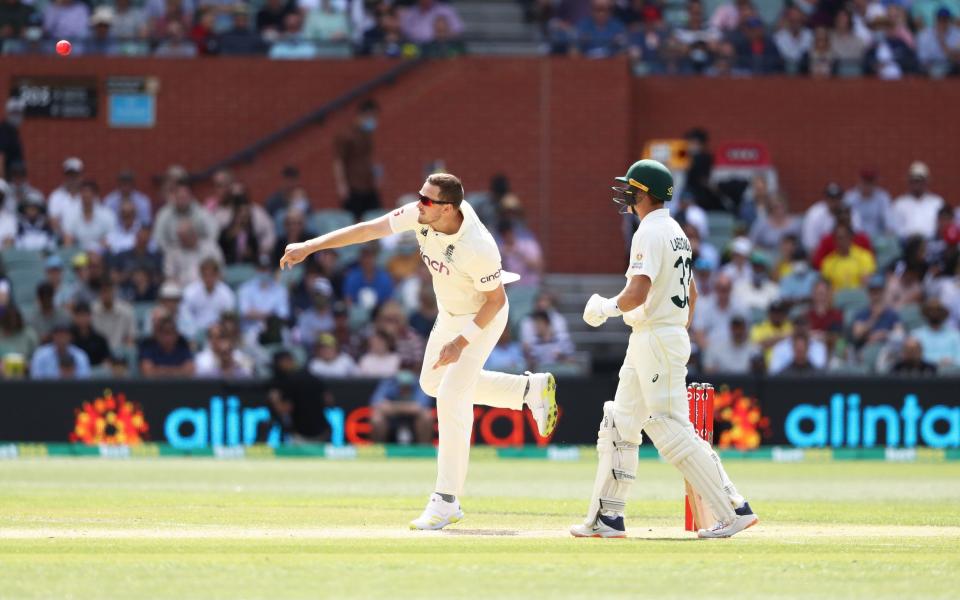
pixel 603 527
pixel 744 519
pixel 541 397
pixel 438 514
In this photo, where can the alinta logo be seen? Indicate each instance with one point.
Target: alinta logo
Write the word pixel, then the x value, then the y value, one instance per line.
pixel 110 419
pixel 740 422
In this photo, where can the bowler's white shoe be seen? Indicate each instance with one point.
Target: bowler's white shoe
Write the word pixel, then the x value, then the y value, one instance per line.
pixel 542 400
pixel 744 519
pixel 438 514
pixel 603 527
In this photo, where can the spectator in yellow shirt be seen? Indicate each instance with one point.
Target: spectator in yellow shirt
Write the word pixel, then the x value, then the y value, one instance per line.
pixel 776 327
pixel 848 266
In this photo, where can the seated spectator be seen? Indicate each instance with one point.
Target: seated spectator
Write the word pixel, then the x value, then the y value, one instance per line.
pixel 800 363
pixel 648 41
pixel 444 43
pixel 781 355
pixel 46 361
pixel 294 43
pixel 19 187
pixel 728 16
pixel 129 21
pixel 271 17
pixel 16 337
pixel 520 255
pixel 821 218
pixel 878 322
pixel 123 236
pixel 773 224
pixel 819 61
pixel 822 316
pixel 739 268
pixel 507 356
pixel 939 338
pixel 326 23
pixel 182 262
pixel 290 196
pixel 328 361
pixel 704 252
pixel 45 314
pixel 298 401
pixel 390 319
pixel 847 48
pixel 176 43
pixel 754 50
pixel 166 353
pixel 942 251
pixel 86 337
pixel 318 318
pixel 911 360
pixel 793 39
pixel 164 12
pixel 696 40
pixel 601 34
pixel 948 292
pixel 16 17
pixel 294 230
pixel 938 47
pixel 114 318
pixel 870 205
pixel 88 226
pixel 545 302
pixel 828 243
pixel 398 404
pixel 63 292
pixel 246 230
pixel 547 347
pixel 203 34
pixel 888 57
pixel 915 213
pixel 67 196
pixel 66 20
pixel 416 22
pixel 101 41
pixel 380 359
pixel 142 256
pixel 313 282
pixel 757 293
pixel 127 192
pixel 904 286
pixel 222 358
pixel 425 315
pixel 771 331
pixel 34 230
pixel 169 303
pixel 222 180
pixel 731 351
pixel 713 313
pixel 208 298
pixel 263 297
pixel 849 266
pixel 367 284
pixel 181 205
pixel 386 38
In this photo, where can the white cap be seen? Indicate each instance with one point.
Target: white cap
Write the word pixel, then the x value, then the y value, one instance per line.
pixel 919 170
pixel 103 14
pixel 742 246
pixel 170 291
pixel 73 164
pixel 875 12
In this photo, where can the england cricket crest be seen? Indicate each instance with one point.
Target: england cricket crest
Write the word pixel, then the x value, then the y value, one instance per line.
pixel 448 254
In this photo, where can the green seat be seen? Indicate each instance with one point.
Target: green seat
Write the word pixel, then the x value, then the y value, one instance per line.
pixel 869 356
pixel 327 220
pixel 15 258
pixel 24 285
pixel 292 277
pixel 235 275
pixel 373 213
pixel 911 316
pixel 721 224
pixel 522 299
pixel 887 249
pixel 141 312
pixel 851 300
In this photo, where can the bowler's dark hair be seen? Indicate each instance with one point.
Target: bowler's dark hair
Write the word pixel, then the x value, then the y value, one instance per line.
pixel 451 190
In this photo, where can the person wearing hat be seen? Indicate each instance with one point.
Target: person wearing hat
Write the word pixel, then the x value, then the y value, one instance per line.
pixel 739 269
pixel 66 198
pixel 938 47
pixel 45 363
pixel 658 302
pixel 821 217
pixel 34 231
pixel 11 147
pixel 915 213
pixel 126 191
pixel 889 56
pixel 101 41
pixel 871 204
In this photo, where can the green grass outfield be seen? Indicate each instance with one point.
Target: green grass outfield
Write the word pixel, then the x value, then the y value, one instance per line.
pixel 201 528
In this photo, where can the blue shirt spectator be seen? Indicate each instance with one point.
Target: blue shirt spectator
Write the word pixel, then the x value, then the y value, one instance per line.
pixel 601 35
pixel 403 387
pixel 166 353
pixel 49 360
pixel 262 297
pixel 366 284
pixel 127 191
pixel 940 340
pixel 877 322
pixel 507 356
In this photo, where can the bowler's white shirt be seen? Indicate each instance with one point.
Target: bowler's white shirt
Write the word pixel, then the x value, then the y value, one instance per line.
pixel 661 251
pixel 463 264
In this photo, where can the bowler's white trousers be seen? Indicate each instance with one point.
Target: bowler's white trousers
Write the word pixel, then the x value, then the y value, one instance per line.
pixel 460 385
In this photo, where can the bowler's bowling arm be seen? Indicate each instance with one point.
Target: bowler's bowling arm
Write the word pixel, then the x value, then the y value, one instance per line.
pixel 359 233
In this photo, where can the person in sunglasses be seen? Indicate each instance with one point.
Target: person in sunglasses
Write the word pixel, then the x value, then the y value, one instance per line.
pixel 468 280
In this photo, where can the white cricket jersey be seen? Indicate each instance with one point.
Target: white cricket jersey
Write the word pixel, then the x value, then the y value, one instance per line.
pixel 661 251
pixel 463 264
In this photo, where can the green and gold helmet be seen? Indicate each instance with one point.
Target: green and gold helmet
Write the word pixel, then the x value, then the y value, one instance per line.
pixel 648 176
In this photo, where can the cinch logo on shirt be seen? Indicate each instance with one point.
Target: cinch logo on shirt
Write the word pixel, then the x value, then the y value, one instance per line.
pixel 490 277
pixel 436 265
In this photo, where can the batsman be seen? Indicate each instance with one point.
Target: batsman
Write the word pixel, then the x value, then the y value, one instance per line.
pixel 657 303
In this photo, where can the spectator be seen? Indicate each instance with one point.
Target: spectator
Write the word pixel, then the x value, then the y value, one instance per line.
pixel 390 319
pixel 915 213
pixel 878 322
pixel 697 40
pixel 821 217
pixel 911 361
pixel 294 43
pixel 353 167
pixel 182 262
pixel 141 257
pixel 208 298
pixel 728 16
pixel 176 43
pixel 16 337
pixel 823 317
pixel 101 42
pixel 819 61
pixel 924 12
pixel 941 252
pixel 45 314
pixel 298 400
pixel 601 34
pixel 793 39
pixel 704 193
pixel 88 225
pixel 939 338
pixel 416 22
pixel 731 351
pixel 781 355
pixel 203 34
pixel 222 358
pixel 170 11
pixel 139 288
pixel 828 243
pixel 66 20
pixel 520 255
pixel 905 283
pixel 66 198
pixel 222 180
pixel 182 205
pixel 754 49
pixel 771 226
pixel 702 251
pixel 507 356
pixel 545 302
pixel 271 17
pixel 849 266
pixel 313 281
pixel 263 297
pixel 756 294
pixel 328 361
pixel 367 285
pixel 948 292
pixel 399 403
pixel 129 21
pixel 938 47
pixel 381 358
pixel 127 192
pixel 86 337
pixel 169 304
pixel 444 44
pixel 901 28
pixel 318 318
pixel 771 331
pixel 240 40
pixel 870 204
pixel 15 17
pixel 326 24
pixel 53 275
pixel 123 236
pixel 11 147
pixel 888 57
pixel 114 318
pixel 847 48
pixel 713 313
pixel 246 228
pixel 547 347
pixel 81 288
pixel 800 363
pixel 46 360
pixel 19 187
pixel 386 38
pixel 166 353
pixel 425 315
pixel 290 196
pixel 34 231
pixel 739 269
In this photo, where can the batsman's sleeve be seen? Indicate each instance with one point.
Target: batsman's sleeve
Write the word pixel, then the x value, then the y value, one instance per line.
pixel 484 268
pixel 646 252
pixel 404 218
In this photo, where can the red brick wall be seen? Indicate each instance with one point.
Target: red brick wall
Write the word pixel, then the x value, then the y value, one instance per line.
pixel 559 128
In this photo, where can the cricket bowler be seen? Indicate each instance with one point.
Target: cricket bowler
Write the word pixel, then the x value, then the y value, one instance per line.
pixel 657 303
pixel 464 262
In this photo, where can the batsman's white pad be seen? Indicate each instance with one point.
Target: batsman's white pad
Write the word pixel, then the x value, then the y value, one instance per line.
pixel 616 470
pixel 680 446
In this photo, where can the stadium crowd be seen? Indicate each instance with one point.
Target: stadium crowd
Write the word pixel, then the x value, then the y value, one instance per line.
pixel 820 38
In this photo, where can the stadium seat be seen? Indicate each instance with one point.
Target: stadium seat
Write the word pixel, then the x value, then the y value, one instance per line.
pixel 521 299
pixel 24 285
pixel 235 275
pixel 141 312
pixel 373 213
pixel 327 220
pixel 887 250
pixel 851 300
pixel 721 224
pixel 291 277
pixel 869 355
pixel 911 317
pixel 14 258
